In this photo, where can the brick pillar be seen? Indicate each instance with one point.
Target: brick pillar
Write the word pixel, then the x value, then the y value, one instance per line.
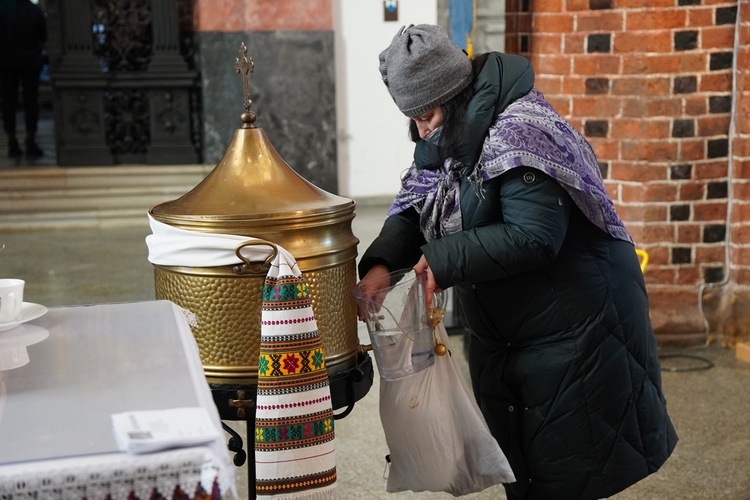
pixel 650 85
pixel 730 310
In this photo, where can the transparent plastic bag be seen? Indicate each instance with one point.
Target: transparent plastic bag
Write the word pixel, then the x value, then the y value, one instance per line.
pixel 396 320
pixel 437 437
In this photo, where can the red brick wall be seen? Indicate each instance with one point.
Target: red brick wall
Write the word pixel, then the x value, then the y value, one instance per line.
pixel 259 15
pixel 652 85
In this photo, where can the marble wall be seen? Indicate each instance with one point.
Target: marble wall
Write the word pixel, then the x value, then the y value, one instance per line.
pixel 293 94
pixel 292 86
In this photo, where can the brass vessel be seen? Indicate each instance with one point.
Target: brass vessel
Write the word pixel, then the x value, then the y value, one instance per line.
pixel 252 192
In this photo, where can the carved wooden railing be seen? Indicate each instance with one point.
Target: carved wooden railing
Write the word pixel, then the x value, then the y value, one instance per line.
pixel 124 84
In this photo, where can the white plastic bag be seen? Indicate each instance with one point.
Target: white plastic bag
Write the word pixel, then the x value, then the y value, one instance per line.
pixel 436 434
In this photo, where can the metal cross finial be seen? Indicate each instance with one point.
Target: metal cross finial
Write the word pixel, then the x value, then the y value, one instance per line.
pixel 245 65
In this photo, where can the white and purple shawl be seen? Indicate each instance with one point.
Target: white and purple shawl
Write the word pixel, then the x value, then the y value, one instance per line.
pixel 529 132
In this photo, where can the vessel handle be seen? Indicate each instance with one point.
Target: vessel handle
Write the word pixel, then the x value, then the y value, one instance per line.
pixel 254 267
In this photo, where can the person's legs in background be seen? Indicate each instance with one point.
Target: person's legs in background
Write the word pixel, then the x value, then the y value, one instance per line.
pixel 30 84
pixel 9 86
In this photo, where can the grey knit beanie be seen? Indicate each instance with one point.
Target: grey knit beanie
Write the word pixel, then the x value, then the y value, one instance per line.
pixel 423 68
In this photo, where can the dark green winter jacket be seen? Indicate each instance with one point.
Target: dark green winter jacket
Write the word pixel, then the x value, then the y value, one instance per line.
pixel 562 355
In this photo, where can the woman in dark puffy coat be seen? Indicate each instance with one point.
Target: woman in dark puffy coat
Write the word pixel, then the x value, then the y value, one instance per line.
pixel 505 204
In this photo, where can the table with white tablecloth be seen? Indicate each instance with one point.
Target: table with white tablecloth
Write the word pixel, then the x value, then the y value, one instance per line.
pixel 56 434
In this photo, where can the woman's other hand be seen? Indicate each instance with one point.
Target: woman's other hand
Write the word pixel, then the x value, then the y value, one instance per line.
pixel 431 287
pixel 376 279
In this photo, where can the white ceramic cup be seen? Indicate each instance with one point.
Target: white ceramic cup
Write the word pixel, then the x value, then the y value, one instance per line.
pixel 11 299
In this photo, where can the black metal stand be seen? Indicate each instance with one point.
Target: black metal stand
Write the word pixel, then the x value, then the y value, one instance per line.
pixel 235 446
pixel 236 402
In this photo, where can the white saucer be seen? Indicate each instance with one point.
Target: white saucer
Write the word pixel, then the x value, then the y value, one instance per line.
pixel 29 311
pixel 13 344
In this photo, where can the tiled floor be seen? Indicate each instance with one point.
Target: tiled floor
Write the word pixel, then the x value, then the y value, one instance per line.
pixel 710 408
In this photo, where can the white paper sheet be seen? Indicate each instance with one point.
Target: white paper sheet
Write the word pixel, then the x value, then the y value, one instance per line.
pixel 155 430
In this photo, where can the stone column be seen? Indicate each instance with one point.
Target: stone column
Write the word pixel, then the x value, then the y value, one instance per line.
pixel 292 86
pixel 169 95
pixel 79 108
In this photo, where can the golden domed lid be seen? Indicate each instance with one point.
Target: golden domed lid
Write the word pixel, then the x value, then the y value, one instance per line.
pixel 251 184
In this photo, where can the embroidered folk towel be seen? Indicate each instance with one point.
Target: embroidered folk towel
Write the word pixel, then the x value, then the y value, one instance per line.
pixel 295 453
pixel 294 436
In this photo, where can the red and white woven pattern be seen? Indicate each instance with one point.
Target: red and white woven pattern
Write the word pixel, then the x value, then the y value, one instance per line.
pixel 295 452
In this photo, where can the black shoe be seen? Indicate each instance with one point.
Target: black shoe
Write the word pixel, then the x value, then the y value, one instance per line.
pixel 14 150
pixel 32 150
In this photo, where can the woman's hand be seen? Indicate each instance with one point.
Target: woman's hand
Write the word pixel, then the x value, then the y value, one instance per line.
pixel 431 287
pixel 376 279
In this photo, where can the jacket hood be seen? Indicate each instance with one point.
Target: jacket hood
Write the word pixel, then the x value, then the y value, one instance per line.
pixel 503 79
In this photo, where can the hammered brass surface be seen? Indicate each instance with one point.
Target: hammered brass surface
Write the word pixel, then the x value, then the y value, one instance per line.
pixel 228 308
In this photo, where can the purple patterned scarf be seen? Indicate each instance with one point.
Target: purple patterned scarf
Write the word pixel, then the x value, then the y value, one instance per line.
pixel 528 133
